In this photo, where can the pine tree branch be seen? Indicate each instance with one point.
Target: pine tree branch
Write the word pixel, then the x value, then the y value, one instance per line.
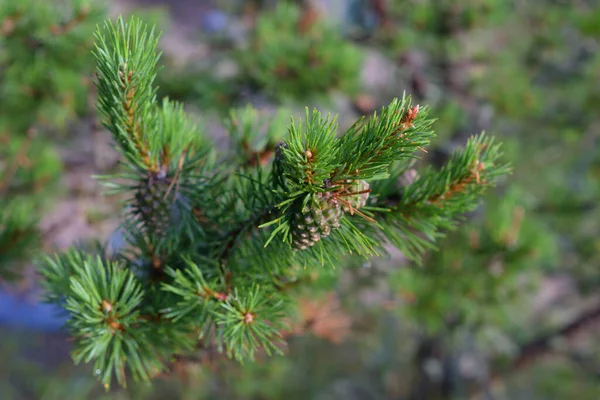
pixel 414 216
pixel 200 229
pixel 126 62
pixel 397 134
pixel 399 131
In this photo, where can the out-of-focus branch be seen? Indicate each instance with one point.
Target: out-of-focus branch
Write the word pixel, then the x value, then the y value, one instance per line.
pixel 542 346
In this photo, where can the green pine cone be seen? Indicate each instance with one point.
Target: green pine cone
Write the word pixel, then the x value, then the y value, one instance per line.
pixel 153 204
pixel 357 195
pixel 317 222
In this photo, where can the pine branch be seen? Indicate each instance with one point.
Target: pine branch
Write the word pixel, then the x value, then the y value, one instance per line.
pixel 202 261
pixel 328 174
pixel 396 134
pixel 126 59
pixel 106 302
pixel 415 218
pixel 159 142
pixel 244 320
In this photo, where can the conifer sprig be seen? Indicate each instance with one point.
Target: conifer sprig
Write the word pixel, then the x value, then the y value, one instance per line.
pixel 196 265
pixel 126 57
pixel 104 301
pixel 44 73
pixel 322 171
pixel 367 150
pixel 310 155
pixel 421 211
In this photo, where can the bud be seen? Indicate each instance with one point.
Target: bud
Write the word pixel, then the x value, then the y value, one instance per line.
pixel 409 117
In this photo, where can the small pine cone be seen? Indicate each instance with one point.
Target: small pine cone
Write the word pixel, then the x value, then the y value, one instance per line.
pixel 317 222
pixel 153 205
pixel 358 195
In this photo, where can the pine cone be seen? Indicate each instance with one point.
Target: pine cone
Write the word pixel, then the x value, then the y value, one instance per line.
pixel 317 222
pixel 153 205
pixel 358 195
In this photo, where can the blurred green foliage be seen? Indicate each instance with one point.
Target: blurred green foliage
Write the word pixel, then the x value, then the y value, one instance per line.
pixel 294 54
pixel 45 78
pixel 291 55
pixel 483 269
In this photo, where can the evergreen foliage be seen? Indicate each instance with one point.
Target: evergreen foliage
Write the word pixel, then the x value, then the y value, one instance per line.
pixel 44 79
pixel 294 54
pixel 215 239
pixel 287 53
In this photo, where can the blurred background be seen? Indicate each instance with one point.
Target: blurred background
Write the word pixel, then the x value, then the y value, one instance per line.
pixel 508 308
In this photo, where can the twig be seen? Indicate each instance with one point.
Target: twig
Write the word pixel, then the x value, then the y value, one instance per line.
pixel 542 346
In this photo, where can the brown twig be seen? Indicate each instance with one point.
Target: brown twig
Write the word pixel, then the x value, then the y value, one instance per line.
pixel 542 346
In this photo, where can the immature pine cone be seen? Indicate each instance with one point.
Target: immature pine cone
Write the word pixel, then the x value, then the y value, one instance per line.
pixel 317 222
pixel 358 194
pixel 153 205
